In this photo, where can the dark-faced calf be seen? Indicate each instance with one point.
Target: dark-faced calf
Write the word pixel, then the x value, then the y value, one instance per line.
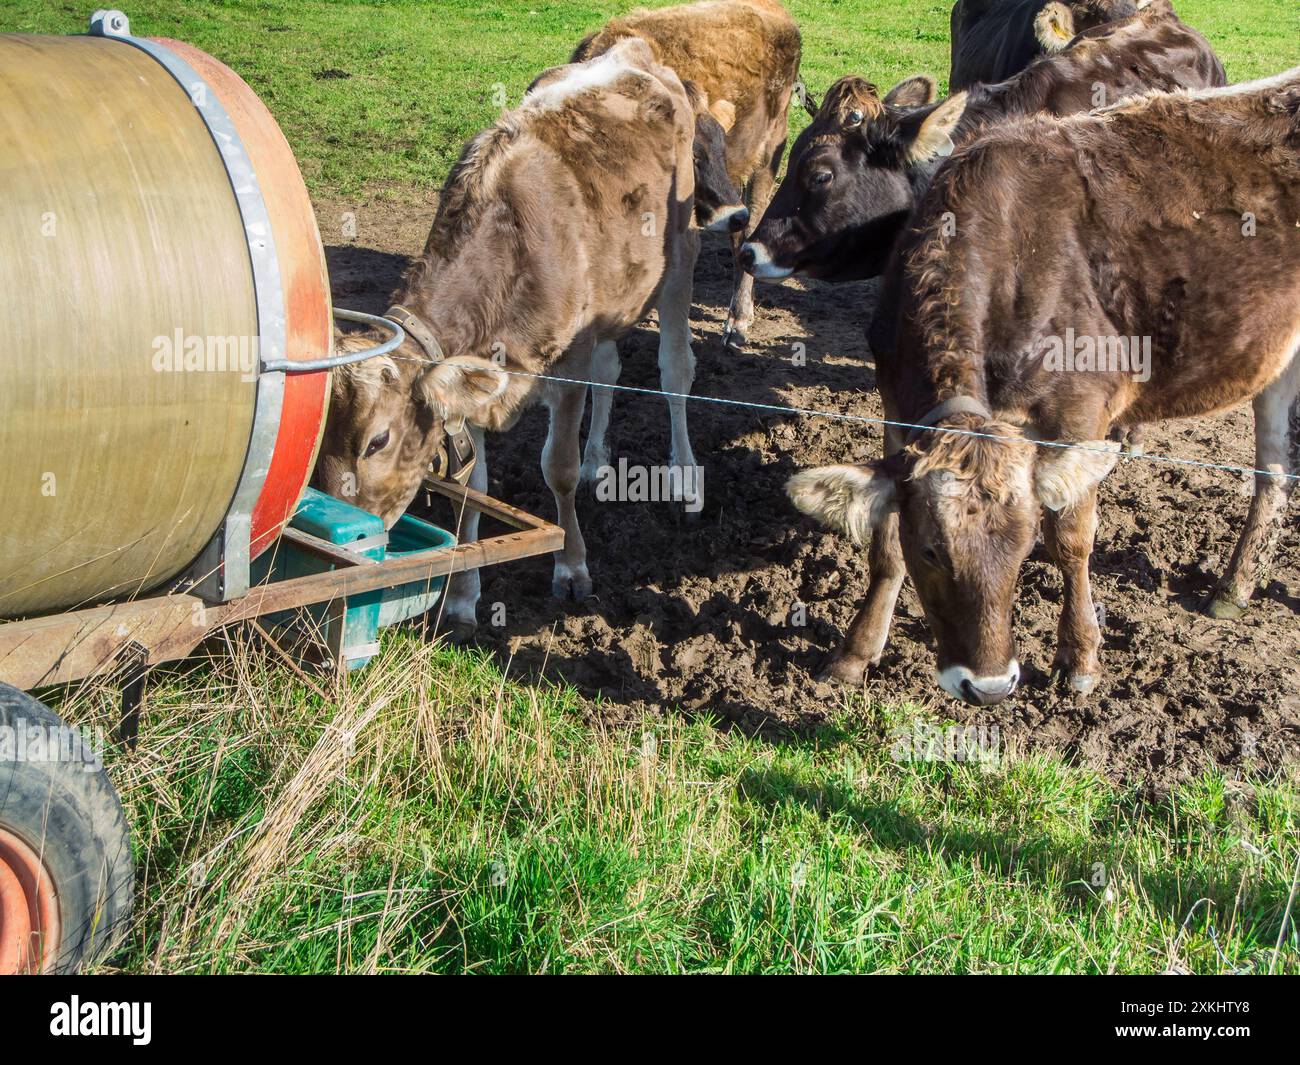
pixel 856 172
pixel 1106 271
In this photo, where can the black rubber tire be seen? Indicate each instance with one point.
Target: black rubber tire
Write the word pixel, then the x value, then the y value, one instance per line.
pixel 69 813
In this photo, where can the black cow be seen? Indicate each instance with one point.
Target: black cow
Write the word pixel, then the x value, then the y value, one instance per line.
pixel 994 39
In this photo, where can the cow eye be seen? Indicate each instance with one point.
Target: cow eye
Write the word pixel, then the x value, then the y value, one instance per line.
pixel 930 555
pixel 821 178
pixel 377 444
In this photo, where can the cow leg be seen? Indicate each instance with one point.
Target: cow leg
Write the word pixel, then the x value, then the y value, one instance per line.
pixel 1068 536
pixel 866 637
pixel 676 359
pixel 605 369
pixel 459 610
pixel 865 641
pixel 1277 423
pixel 560 468
pixel 758 193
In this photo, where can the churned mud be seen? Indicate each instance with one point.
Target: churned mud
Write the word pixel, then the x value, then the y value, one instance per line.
pixel 698 615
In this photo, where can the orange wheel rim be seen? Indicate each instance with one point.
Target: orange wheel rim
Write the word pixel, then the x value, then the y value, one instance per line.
pixel 29 909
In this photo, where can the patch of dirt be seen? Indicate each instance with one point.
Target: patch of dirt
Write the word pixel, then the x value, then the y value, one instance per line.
pixel 695 615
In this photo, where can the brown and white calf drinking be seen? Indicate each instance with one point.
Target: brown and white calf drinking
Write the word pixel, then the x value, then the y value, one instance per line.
pixel 557 230
pixel 739 60
pixel 858 170
pixel 1175 219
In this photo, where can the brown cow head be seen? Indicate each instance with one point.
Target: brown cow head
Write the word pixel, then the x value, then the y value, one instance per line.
pixel 853 179
pixel 718 205
pixel 968 508
pixel 386 420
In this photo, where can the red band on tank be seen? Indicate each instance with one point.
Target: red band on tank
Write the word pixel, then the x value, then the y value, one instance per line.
pixel 309 330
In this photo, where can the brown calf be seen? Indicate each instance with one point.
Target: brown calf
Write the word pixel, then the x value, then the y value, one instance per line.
pixel 1173 219
pixel 743 58
pixel 557 230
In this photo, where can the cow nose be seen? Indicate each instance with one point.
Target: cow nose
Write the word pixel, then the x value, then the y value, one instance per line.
pixel 740 220
pixel 986 693
pixel 747 257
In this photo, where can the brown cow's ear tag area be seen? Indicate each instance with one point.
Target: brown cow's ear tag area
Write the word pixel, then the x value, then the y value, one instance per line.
pixel 933 137
pixel 461 388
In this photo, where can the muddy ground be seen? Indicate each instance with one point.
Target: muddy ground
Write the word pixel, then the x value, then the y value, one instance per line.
pixel 695 616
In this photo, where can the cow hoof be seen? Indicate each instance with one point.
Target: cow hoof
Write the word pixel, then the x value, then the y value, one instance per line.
pixel 571 584
pixel 458 632
pixel 1073 681
pixel 735 337
pixel 590 471
pixel 842 670
pixel 1224 608
pixel 1083 683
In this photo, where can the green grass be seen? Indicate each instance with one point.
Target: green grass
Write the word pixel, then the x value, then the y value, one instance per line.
pixel 424 77
pixel 431 815
pixel 427 816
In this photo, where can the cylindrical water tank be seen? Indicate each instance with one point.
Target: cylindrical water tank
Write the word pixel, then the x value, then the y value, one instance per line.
pixel 156 243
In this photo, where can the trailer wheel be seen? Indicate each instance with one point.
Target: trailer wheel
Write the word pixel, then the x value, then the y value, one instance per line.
pixel 66 876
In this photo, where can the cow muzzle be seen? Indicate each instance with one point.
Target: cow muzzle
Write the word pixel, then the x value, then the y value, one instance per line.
pixel 732 219
pixel 755 259
pixel 961 683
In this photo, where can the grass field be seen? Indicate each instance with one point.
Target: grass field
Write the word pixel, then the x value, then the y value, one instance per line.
pixel 431 815
pixel 382 94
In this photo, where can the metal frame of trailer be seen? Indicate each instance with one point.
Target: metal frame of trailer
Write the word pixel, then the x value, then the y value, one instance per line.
pixel 66 874
pixel 139 634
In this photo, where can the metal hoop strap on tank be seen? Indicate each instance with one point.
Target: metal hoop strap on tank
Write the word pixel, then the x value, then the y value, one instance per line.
pixel 228 556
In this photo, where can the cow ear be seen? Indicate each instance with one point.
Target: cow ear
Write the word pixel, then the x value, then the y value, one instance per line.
pixel 1064 476
pixel 1054 27
pixel 697 97
pixel 725 112
pixel 919 90
pixel 853 499
pixel 930 130
pixel 460 388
